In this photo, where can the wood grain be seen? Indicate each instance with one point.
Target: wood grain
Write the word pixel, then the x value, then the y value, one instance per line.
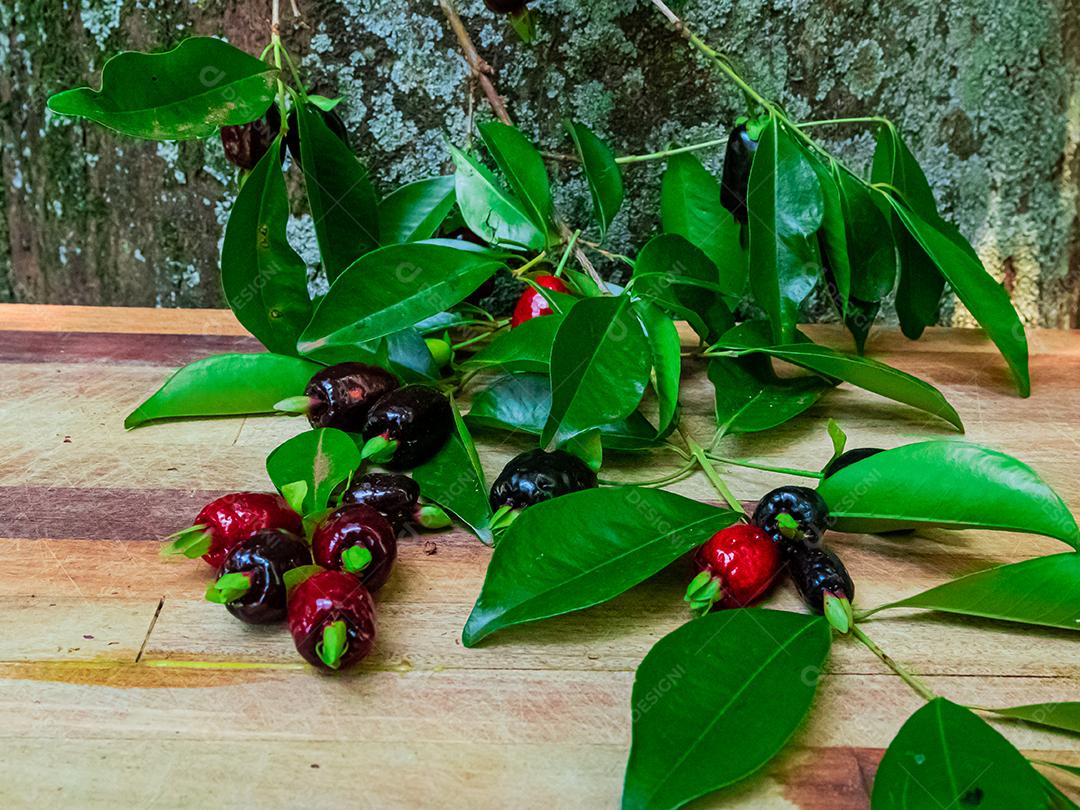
pixel 112 664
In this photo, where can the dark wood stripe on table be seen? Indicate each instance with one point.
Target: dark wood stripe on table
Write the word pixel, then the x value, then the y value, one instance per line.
pixel 103 347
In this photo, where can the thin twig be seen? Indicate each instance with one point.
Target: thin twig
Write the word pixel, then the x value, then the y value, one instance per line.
pixel 480 69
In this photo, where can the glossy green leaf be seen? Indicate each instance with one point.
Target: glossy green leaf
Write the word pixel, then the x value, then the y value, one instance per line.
pixel 415 211
pixel 749 400
pixel 599 367
pixel 865 373
pixel 665 347
pixel 1043 591
pixel 601 172
pixel 833 234
pixel 718 698
pixel 871 253
pixel 521 402
pixel 322 458
pixel 405 353
pixel 394 287
pixel 946 756
pixel 454 480
pixel 984 297
pixel 188 92
pixel 489 210
pixel 226 385
pixel 524 170
pixel 264 280
pixel 340 195
pixel 582 549
pixel 950 484
pixel 690 207
pixel 526 347
pixel 1064 715
pixel 787 207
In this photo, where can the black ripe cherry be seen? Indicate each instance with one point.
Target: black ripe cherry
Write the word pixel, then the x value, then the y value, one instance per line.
pixel 230 519
pixel 735 179
pixel 848 458
pixel 792 516
pixel 245 144
pixel 408 426
pixel 341 396
pixel 538 475
pixel 817 574
pixel 332 620
pixel 251 581
pixel 357 539
pixel 397 498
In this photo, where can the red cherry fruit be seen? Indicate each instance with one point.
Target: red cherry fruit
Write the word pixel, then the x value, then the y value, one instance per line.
pixel 224 523
pixel 356 539
pixel 332 620
pixel 532 304
pixel 737 565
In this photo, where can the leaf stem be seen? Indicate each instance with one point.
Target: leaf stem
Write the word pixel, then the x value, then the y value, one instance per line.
pixel 666 153
pixel 765 467
pixel 566 253
pixel 859 119
pixel 529 265
pixel 698 452
pixel 681 473
pixel 918 686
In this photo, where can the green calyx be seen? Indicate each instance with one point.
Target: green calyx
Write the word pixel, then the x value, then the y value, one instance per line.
pixel 294 495
pixel 333 645
pixel 228 588
pixel 837 610
pixel 523 23
pixel 355 559
pixel 503 517
pixel 378 449
pixel 440 351
pixel 789 527
pixel 295 406
pixel 192 543
pixel 703 592
pixel 431 516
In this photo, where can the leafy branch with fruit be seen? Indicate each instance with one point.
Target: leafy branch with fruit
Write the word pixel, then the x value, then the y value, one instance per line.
pixel 379 364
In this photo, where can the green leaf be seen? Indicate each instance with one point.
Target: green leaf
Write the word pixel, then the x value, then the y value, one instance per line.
pixel 678 277
pixel 584 548
pixel 265 281
pixel 718 698
pixel 984 297
pixel 201 84
pixel 833 233
pixel 665 347
pixel 392 288
pixel 321 458
pixel 1064 715
pixel 838 439
pixel 415 211
pixel 322 102
pixel 342 200
pixel 950 484
pixel 690 207
pixel 946 756
pixel 786 207
pixel 226 385
pixel 599 367
pixel 601 172
pixel 489 211
pixel 405 353
pixel 871 253
pixel 526 347
pixel 454 479
pixel 294 495
pixel 1043 591
pixel 524 170
pixel 863 372
pixel 749 400
pixel 521 402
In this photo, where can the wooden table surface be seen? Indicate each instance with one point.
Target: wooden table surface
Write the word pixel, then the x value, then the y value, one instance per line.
pixel 120 687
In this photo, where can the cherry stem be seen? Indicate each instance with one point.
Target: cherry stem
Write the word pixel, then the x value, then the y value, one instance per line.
pixel 867 119
pixel 670 478
pixel 698 452
pixel 566 253
pixel 736 462
pixel 529 265
pixel 918 686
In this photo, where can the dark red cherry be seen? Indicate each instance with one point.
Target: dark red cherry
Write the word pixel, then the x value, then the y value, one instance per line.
pixel 341 396
pixel 332 620
pixel 357 539
pixel 245 144
pixel 250 582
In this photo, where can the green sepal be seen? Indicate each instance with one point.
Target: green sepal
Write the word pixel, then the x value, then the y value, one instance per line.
pixel 378 449
pixel 333 644
pixel 294 406
pixel 228 588
pixel 838 612
pixel 440 350
pixel 192 543
pixel 294 577
pixel 839 440
pixel 524 24
pixel 355 559
pixel 697 585
pixel 294 495
pixel 703 592
pixel 789 527
pixel 431 516
pixel 503 517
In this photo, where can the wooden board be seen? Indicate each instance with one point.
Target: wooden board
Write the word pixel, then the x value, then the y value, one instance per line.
pixel 119 686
